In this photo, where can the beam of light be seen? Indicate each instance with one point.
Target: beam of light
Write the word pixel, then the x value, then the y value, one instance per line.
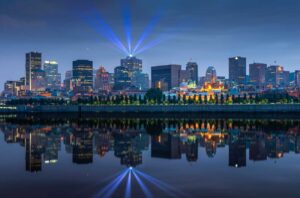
pixel 171 191
pixel 98 23
pixel 149 28
pixel 142 185
pixel 127 23
pixel 110 188
pixel 167 34
pixel 111 177
pixel 128 186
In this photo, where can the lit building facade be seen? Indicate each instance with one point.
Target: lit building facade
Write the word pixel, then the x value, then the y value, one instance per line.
pixel 274 76
pixel 165 77
pixel 192 68
pixel 237 70
pixel 33 63
pixel 52 77
pixel 83 77
pixel 103 80
pixel 211 74
pixel 297 78
pixel 257 72
pixel 123 78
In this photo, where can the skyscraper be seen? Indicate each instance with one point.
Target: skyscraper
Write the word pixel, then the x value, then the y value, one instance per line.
pixel 83 77
pixel 257 72
pixel 297 78
pixel 68 86
pixel 52 77
pixel 132 63
pixel 237 70
pixel 274 75
pixel 123 78
pixel 192 68
pixel 165 77
pixel 211 75
pixel 33 62
pixel 102 81
pixel 134 67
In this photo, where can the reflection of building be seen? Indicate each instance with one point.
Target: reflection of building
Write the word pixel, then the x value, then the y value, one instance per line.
pixel 237 153
pixel 165 77
pixel 83 147
pixel 33 62
pixel 83 77
pixel 34 150
pixel 257 72
pixel 166 146
pixel 126 150
pixel 237 70
pixel 258 149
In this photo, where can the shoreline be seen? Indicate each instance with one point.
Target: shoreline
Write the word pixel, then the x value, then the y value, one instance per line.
pixel 99 109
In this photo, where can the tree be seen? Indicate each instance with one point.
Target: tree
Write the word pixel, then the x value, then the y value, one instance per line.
pixel 154 94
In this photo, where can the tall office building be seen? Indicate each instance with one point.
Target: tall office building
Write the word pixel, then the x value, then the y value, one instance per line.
pixel 83 77
pixel 274 76
pixel 52 77
pixel 286 78
pixel 140 81
pixel 297 78
pixel 33 63
pixel 134 67
pixel 211 75
pixel 68 86
pixel 257 72
pixel 103 80
pixel 237 70
pixel 165 77
pixel 192 68
pixel 38 80
pixel 132 63
pixel 123 78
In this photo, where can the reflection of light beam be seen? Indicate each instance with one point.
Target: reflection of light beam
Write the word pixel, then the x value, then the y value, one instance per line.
pixel 161 185
pixel 128 186
pixel 142 185
pixel 109 189
pixel 149 28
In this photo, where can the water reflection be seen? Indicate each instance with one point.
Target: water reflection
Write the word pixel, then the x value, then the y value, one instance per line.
pixel 167 138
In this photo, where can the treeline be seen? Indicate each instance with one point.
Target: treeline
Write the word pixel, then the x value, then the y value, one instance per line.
pixel 155 96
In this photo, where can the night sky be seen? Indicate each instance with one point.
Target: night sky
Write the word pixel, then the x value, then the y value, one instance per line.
pixel 205 31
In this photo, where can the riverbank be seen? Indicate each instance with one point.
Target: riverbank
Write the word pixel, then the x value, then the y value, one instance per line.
pixel 235 108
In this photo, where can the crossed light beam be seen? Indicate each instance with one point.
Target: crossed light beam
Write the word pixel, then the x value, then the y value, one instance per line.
pixel 139 177
pixel 97 22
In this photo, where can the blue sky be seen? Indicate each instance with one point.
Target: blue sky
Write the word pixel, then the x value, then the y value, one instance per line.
pixel 205 31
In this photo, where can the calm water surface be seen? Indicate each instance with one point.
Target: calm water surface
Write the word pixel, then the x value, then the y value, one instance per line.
pixel 149 157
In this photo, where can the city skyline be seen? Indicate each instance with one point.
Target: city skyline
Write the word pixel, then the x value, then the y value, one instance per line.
pixel 206 38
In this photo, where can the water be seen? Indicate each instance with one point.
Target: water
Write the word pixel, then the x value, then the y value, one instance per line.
pixel 149 157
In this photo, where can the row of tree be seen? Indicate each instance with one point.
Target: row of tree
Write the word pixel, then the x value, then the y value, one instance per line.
pixel 155 96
